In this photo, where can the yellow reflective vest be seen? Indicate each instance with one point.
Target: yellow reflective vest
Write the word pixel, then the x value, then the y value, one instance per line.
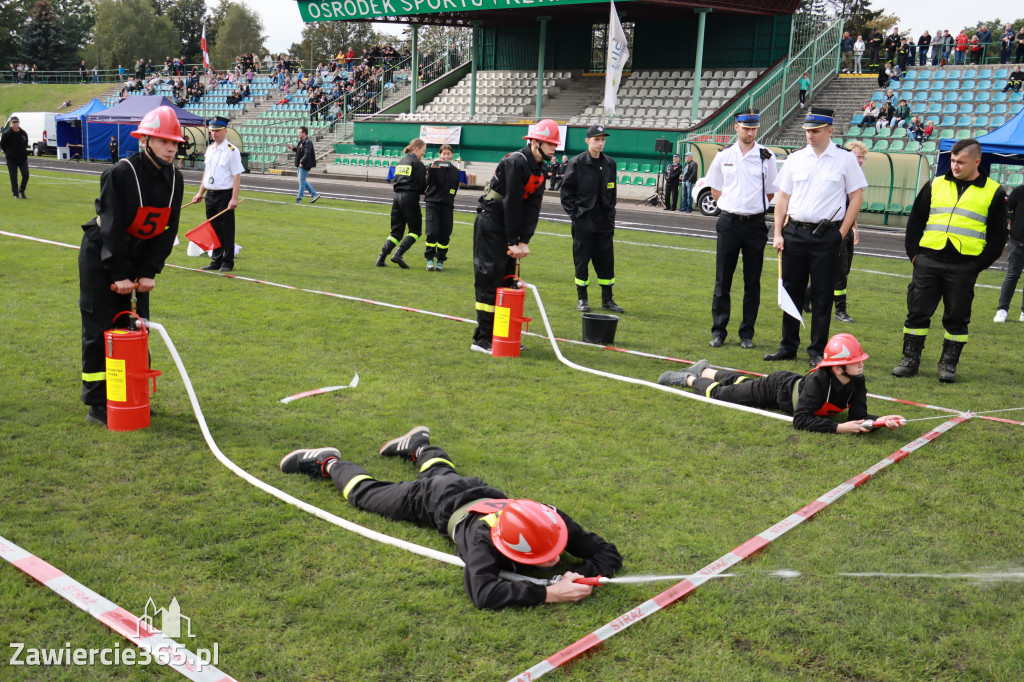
pixel 958 219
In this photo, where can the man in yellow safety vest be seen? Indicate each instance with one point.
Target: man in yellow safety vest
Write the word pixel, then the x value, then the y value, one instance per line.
pixel 956 229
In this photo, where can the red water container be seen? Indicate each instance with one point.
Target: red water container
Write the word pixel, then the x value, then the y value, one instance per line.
pixel 128 377
pixel 508 322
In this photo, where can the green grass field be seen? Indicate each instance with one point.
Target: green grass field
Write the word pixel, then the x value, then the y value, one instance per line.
pixel 672 482
pixel 27 97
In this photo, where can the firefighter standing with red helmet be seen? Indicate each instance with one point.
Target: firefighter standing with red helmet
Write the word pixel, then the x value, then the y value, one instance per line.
pixel 491 533
pixel 506 220
pixel 834 386
pixel 126 244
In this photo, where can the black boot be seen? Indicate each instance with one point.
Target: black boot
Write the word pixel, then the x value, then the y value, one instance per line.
pixel 406 244
pixel 582 300
pixel 841 315
pixel 912 347
pixel 388 247
pixel 949 359
pixel 607 302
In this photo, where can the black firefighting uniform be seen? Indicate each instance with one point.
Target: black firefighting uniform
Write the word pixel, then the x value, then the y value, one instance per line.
pixel 947 275
pixel 673 175
pixel 130 237
pixel 431 500
pixel 442 184
pixel 15 148
pixel 410 183
pixel 507 215
pixel 588 196
pixel 810 398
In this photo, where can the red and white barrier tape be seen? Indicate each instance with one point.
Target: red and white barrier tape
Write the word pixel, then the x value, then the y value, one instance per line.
pixel 113 616
pixel 720 565
pixel 653 356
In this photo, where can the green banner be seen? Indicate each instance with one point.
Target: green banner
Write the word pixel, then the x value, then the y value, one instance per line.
pixel 341 10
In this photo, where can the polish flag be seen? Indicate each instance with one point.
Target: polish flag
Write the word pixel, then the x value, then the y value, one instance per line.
pixel 206 54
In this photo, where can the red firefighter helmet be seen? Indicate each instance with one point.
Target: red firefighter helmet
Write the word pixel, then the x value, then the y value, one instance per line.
pixel 162 122
pixel 544 131
pixel 842 349
pixel 529 532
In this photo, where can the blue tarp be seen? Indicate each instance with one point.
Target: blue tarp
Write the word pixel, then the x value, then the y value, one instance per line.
pixel 69 125
pixel 1004 145
pixel 122 119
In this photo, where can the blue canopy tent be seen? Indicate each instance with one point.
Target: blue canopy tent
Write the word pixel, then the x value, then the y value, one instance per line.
pixel 122 119
pixel 71 124
pixel 1004 145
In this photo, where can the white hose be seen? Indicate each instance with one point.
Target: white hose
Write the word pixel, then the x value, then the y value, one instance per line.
pixel 642 382
pixel 280 494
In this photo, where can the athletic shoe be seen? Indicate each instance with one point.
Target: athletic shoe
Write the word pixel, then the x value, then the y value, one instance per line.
pixel 310 462
pixel 679 378
pixel 716 341
pixel 481 346
pixel 440 266
pixel 1001 315
pixel 407 445
pixel 746 343
pixel 97 414
pixel 843 316
pixel 430 265
pixel 16 196
pixel 23 195
pixel 1021 316
pixel 315 199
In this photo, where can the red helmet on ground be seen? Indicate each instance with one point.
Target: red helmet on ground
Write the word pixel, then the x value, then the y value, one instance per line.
pixel 162 122
pixel 842 349
pixel 545 131
pixel 529 532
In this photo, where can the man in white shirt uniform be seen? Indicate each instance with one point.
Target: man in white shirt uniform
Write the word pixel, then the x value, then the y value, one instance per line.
pixel 222 176
pixel 742 182
pixel 811 217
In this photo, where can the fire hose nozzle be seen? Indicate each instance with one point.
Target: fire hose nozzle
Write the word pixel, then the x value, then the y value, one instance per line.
pixel 596 580
pixel 881 422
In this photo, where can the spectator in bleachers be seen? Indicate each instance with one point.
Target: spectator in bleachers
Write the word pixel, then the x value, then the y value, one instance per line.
pixel 927 131
pixel 1020 45
pixel 858 55
pixel 235 97
pixel 938 47
pixel 886 113
pixel 974 47
pixel 914 129
pixel 875 47
pixel 244 91
pixel 949 44
pixel 1014 80
pixel 804 84
pixel 912 57
pixel 870 114
pixel 95 73
pixel 846 52
pixel 892 45
pixel 924 42
pixel 903 54
pixel 960 48
pixel 984 38
pixel 1006 44
pixel 901 115
pixel 884 77
pixel 895 74
pixel 82 71
pixel 120 73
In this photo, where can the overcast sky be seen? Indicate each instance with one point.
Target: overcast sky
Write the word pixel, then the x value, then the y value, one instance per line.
pixel 283 25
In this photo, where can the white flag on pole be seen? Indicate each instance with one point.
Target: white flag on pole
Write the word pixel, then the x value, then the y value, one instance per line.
pixel 618 53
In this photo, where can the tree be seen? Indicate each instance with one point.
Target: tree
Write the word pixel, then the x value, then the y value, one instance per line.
pixel 858 16
pixel 188 17
pixel 128 30
pixel 12 17
pixel 321 40
pixel 217 16
pixel 241 31
pixel 41 38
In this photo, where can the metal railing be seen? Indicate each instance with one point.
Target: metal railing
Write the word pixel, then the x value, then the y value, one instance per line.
pixel 814 49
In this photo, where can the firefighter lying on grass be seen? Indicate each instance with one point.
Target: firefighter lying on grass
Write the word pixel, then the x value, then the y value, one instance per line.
pixel 834 386
pixel 491 534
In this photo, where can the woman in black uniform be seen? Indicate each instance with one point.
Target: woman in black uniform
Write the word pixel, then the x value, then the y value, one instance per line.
pixel 126 244
pixel 410 183
pixel 442 184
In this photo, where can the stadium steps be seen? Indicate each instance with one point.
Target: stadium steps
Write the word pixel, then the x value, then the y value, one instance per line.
pixel 573 98
pixel 846 94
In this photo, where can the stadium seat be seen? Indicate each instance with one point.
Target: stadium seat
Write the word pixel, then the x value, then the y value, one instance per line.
pixel 880 146
pixel 868 132
pixel 633 168
pixel 651 181
pixel 947 134
pixel 855 131
pixel 929 147
pixel 939 73
pixel 1015 179
pixel 983 109
pixel 952 85
pixel 897 146
pixel 625 180
pixel 983 97
pixel 909 85
pixel 937 85
pixel 948 121
pixel 1001 74
pixel 955 73
pixel 934 108
pixel 857 119
pixel 967 108
pixel 1000 97
pixel 899 133
pixel 963 134
pixel 1017 96
pixel 997 122
pixel 885 132
pixel 646 168
pixel 935 96
pixel 877 96
pixel 894 209
pixel 950 109
pixel 877 207
pixel 981 121
pixel 919 108
pixel 921 96
pixel 951 96
pixel 1000 108
pixel 984 85
pixel 963 122
pixel 913 146
pixel 970 73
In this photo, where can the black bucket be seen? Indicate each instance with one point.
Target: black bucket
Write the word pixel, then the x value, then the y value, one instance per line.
pixel 599 329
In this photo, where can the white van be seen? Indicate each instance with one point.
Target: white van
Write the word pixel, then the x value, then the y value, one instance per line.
pixel 41 128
